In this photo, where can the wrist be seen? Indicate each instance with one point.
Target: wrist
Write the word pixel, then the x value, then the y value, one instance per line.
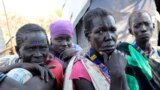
pixel 117 74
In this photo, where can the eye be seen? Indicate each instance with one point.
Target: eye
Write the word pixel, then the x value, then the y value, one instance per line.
pixel 113 29
pixel 43 48
pixel 137 26
pixel 146 23
pixel 29 48
pixel 99 31
pixel 68 40
pixel 59 39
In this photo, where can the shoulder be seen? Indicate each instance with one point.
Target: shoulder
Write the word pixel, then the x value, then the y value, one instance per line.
pixel 57 63
pixel 57 71
pixel 156 54
pixel 79 71
pixel 123 47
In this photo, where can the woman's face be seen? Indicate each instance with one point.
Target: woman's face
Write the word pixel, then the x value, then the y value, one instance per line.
pixel 35 48
pixel 103 35
pixel 61 43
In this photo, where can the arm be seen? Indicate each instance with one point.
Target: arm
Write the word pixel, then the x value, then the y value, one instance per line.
pixel 121 85
pixel 27 66
pixel 116 65
pixel 9 84
pixel 83 84
pixel 33 84
pixel 34 68
pixel 38 84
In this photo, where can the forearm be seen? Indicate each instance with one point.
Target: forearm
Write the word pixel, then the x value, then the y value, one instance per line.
pixel 125 83
pixel 28 66
pixel 119 83
pixel 5 69
pixel 83 84
pixel 10 84
pixel 38 84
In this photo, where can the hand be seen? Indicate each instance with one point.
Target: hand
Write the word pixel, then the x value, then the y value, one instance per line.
pixel 116 63
pixel 68 54
pixel 43 70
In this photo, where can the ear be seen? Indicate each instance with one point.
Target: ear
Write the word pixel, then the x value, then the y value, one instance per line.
pixel 130 31
pixel 153 26
pixel 50 41
pixel 17 49
pixel 87 36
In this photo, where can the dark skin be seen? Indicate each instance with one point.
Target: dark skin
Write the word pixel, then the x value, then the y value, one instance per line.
pixel 33 52
pixel 67 54
pixel 60 43
pixel 13 84
pixel 34 49
pixel 33 84
pixel 103 40
pixel 142 28
pixel 61 47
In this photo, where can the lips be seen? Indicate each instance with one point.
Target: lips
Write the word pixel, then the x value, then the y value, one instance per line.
pixel 107 47
pixel 37 60
pixel 144 36
pixel 62 49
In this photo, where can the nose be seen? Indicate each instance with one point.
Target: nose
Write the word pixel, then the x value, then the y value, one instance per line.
pixel 108 36
pixel 64 43
pixel 143 28
pixel 38 54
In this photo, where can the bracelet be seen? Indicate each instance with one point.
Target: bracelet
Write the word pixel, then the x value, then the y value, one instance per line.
pixel 2 76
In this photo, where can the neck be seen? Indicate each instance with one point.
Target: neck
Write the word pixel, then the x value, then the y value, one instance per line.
pixel 54 53
pixel 144 46
pixel 100 57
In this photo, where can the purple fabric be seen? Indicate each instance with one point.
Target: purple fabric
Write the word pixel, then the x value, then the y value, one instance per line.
pixel 61 27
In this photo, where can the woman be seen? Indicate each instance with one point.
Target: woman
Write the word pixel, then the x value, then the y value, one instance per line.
pixel 33 50
pixel 103 68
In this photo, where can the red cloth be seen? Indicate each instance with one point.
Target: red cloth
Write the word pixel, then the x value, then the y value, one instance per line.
pixel 79 71
pixel 57 71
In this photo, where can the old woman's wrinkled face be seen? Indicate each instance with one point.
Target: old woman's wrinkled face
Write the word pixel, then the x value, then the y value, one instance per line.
pixel 103 35
pixel 35 48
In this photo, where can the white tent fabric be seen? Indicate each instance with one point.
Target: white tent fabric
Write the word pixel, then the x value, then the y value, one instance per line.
pixel 121 9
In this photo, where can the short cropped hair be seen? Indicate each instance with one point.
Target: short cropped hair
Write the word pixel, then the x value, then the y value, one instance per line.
pixel 25 30
pixel 136 13
pixel 87 19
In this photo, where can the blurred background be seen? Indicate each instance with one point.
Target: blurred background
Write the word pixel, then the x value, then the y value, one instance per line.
pixel 15 13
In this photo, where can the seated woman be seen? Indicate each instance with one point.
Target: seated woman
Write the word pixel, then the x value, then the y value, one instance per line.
pixel 33 50
pixel 103 67
pixel 143 60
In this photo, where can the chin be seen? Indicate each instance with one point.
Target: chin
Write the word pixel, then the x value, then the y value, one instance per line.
pixel 144 40
pixel 109 51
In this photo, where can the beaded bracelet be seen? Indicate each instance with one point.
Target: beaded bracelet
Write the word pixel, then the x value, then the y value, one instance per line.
pixel 2 76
